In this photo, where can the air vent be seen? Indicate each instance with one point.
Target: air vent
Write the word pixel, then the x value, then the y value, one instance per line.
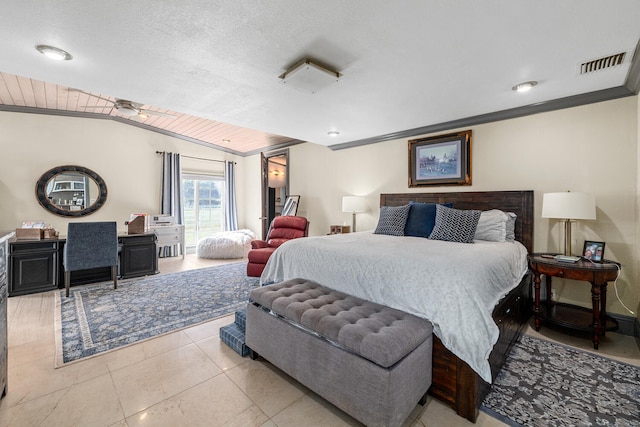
pixel 602 63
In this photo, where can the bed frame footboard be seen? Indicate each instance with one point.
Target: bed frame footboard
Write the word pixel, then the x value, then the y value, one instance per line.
pixel 454 382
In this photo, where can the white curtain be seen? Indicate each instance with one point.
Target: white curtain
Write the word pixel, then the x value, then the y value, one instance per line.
pixel 171 193
pixel 230 207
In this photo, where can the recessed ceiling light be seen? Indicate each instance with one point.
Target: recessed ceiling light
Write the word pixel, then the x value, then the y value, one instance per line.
pixel 226 141
pixel 525 86
pixel 54 52
pixel 333 133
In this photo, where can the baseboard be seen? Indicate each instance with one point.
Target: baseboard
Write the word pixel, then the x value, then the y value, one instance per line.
pixel 627 325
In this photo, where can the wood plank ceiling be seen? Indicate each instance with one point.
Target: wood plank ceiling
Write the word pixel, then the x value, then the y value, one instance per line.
pixel 33 96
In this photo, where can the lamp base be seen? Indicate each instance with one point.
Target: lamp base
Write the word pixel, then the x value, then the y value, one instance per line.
pixel 353 222
pixel 567 237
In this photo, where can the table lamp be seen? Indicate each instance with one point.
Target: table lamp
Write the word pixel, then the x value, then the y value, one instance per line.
pixel 353 204
pixel 568 207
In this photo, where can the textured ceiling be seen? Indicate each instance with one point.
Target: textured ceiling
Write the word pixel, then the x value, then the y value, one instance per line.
pixel 404 66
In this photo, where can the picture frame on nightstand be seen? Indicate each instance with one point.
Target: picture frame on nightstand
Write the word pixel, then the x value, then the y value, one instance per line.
pixel 593 251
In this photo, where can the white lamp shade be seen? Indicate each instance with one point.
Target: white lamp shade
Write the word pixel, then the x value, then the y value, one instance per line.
pixel 569 205
pixel 354 204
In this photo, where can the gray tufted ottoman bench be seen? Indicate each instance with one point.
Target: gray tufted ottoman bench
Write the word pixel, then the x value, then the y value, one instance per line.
pixel 371 361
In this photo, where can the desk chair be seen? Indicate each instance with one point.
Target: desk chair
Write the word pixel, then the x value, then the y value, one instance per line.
pixel 90 245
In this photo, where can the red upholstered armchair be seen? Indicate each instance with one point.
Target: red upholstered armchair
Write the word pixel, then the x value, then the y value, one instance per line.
pixel 282 228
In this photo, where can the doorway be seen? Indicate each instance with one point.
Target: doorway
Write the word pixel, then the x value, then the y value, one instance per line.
pixel 275 185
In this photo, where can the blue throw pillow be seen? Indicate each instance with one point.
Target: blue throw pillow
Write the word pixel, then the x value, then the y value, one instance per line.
pixel 422 219
pixel 392 220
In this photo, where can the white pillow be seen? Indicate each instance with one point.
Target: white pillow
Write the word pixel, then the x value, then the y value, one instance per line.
pixel 511 227
pixel 493 226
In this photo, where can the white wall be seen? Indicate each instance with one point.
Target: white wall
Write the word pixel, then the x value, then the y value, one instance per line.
pixel 124 156
pixel 592 148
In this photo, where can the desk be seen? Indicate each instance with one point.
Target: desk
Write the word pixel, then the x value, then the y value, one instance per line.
pixel 37 265
pixel 571 316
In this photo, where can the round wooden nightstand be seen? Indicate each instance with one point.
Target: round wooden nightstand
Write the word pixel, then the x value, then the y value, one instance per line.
pixel 572 316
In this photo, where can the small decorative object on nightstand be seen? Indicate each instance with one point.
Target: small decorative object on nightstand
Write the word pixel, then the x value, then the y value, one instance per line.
pixel 340 229
pixel 567 315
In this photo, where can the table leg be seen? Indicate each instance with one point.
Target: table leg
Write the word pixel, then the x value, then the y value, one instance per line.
pixel 596 308
pixel 603 307
pixel 547 279
pixel 536 301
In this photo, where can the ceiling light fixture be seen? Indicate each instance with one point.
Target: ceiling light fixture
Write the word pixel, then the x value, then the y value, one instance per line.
pixel 308 76
pixel 226 141
pixel 524 87
pixel 333 133
pixel 54 52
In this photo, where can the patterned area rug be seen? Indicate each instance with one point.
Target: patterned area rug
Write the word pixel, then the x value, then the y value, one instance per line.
pixel 97 318
pixel 548 384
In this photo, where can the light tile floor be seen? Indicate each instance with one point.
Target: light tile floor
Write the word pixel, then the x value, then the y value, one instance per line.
pixel 185 378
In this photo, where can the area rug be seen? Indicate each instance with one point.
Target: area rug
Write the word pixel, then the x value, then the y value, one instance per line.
pixel 97 318
pixel 548 384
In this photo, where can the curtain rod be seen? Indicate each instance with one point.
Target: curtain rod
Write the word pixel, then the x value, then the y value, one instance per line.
pixel 197 158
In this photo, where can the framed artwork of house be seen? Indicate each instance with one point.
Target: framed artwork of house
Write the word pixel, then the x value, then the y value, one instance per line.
pixel 440 160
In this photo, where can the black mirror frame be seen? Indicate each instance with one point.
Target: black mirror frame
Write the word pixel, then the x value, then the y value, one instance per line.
pixel 41 191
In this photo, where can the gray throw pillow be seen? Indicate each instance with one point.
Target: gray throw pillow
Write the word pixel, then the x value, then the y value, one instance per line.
pixel 392 220
pixel 455 225
pixel 511 227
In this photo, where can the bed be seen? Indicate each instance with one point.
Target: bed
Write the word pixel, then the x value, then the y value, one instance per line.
pixel 461 384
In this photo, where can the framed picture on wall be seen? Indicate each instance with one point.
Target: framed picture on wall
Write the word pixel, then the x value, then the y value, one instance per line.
pixel 291 206
pixel 440 160
pixel 593 250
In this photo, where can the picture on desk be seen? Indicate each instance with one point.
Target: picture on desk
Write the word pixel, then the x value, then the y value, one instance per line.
pixel 593 251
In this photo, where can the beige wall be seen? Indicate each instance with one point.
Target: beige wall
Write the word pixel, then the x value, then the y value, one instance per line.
pixel 124 156
pixel 590 148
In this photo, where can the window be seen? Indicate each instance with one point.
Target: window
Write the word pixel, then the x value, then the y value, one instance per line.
pixel 203 206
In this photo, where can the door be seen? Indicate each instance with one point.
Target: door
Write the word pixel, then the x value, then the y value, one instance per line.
pixel 275 185
pixel 203 198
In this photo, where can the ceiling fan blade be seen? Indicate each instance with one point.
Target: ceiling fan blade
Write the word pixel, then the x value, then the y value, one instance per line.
pixel 158 113
pixel 90 94
pixel 92 107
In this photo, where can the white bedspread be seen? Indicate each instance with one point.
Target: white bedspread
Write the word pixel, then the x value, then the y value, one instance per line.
pixel 454 285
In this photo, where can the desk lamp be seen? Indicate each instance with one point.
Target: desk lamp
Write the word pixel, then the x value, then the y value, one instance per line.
pixel 568 207
pixel 353 204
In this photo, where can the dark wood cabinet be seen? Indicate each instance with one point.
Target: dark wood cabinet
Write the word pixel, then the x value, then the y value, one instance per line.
pixel 3 313
pixel 33 266
pixel 37 265
pixel 138 255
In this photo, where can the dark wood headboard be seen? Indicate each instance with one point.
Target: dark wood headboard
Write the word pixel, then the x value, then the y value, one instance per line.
pixel 518 202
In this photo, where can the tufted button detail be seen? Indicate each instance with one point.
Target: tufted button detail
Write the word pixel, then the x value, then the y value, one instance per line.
pixel 381 334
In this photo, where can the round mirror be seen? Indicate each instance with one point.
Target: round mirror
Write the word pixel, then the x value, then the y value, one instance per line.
pixel 71 191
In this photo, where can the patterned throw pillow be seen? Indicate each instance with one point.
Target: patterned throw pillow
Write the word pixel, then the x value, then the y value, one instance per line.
pixel 392 220
pixel 455 225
